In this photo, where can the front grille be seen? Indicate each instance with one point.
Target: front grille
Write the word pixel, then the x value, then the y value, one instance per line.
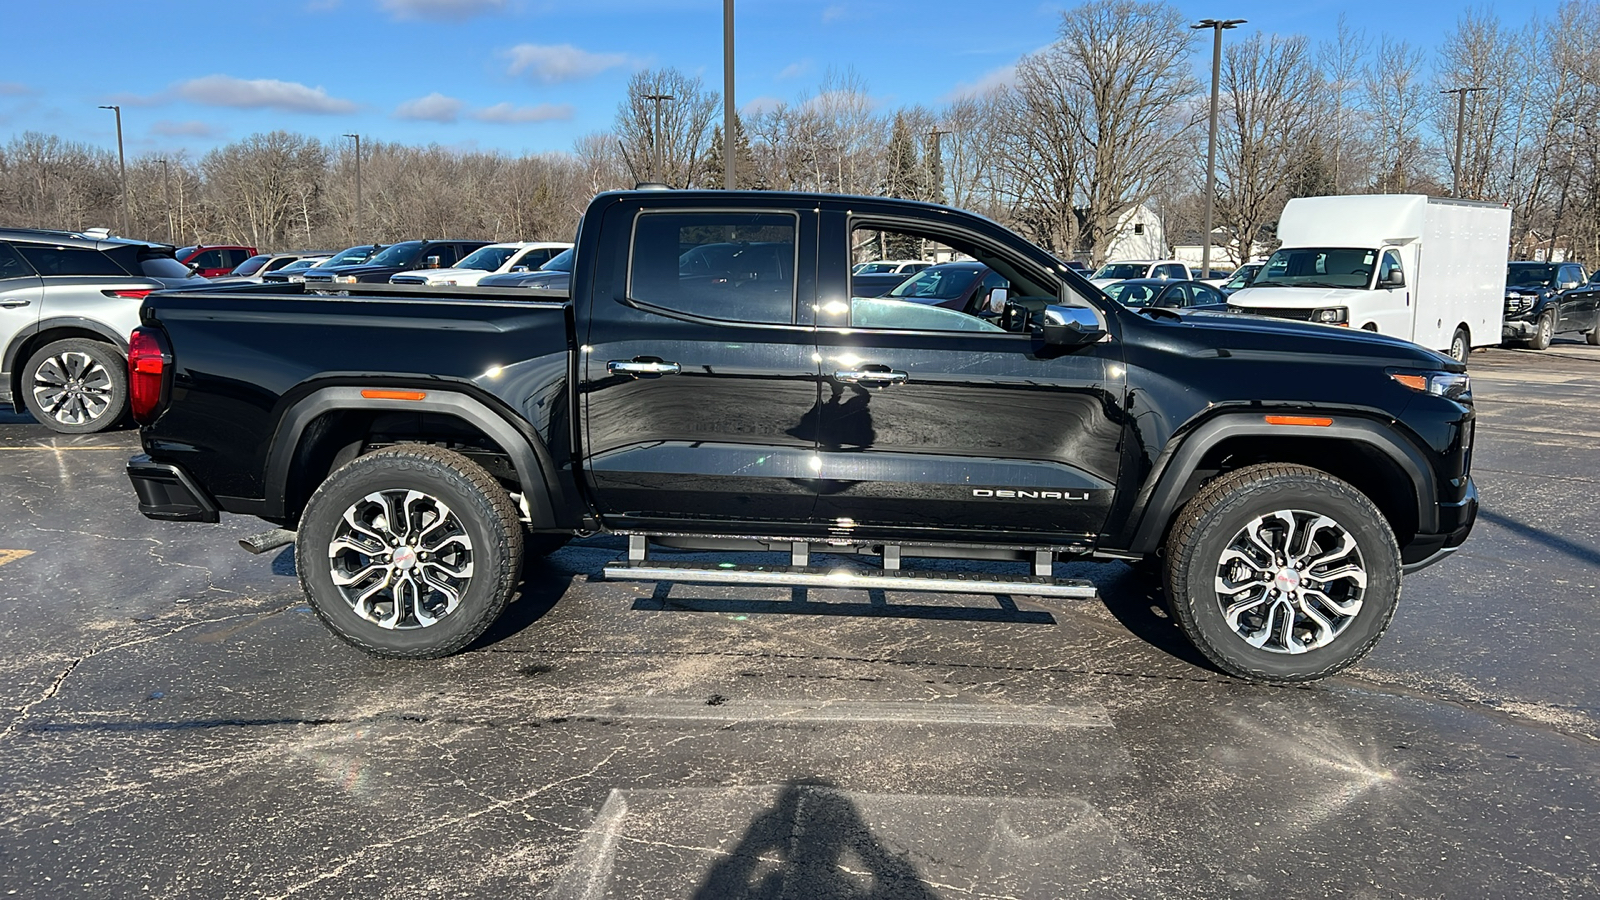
pixel 408 279
pixel 1302 315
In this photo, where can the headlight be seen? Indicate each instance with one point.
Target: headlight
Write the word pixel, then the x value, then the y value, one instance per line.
pixel 344 279
pixel 1451 385
pixel 297 279
pixel 1333 315
pixel 1519 302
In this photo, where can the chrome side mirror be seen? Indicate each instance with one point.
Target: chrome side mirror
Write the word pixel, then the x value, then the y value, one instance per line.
pixel 1070 326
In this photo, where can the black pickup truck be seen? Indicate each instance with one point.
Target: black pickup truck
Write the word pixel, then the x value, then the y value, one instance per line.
pixel 1279 477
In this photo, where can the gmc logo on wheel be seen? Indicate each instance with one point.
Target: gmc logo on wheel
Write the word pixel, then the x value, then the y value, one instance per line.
pixel 996 494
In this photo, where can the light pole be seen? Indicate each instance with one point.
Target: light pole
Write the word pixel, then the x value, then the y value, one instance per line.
pixel 728 154
pixel 655 136
pixel 1217 26
pixel 122 165
pixel 1461 118
pixel 357 138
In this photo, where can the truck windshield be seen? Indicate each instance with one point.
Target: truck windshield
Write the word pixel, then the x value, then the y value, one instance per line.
pixel 487 259
pixel 1122 271
pixel 1328 267
pixel 1530 276
pixel 401 254
pixel 561 262
pixel 357 254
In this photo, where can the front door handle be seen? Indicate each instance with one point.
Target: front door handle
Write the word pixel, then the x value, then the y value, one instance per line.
pixel 13 304
pixel 642 368
pixel 879 376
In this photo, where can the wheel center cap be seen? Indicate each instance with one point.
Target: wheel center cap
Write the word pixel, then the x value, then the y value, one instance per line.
pixel 403 558
pixel 1287 579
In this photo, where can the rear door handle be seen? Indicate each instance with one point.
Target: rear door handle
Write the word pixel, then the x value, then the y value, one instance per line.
pixel 13 304
pixel 879 376
pixel 642 368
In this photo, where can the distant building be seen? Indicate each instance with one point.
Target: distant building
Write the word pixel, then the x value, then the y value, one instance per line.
pixel 1189 250
pixel 1139 235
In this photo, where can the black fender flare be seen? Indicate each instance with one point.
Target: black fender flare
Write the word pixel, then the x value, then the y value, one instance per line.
pixel 1162 493
pixel 529 457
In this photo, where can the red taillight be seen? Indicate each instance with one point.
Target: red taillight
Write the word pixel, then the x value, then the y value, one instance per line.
pixel 131 295
pixel 147 369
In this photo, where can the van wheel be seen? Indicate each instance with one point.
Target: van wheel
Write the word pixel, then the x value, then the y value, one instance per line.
pixel 1544 332
pixel 1282 573
pixel 1460 346
pixel 411 551
pixel 76 386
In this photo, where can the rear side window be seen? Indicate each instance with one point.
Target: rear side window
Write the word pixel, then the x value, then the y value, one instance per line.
pixel 12 265
pixel 719 265
pixel 51 260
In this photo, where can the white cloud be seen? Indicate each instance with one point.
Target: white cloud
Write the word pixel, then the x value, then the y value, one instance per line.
pixel 834 13
pixel 759 106
pixel 1005 76
pixel 446 10
pixel 795 70
pixel 507 113
pixel 261 93
pixel 435 107
pixel 167 128
pixel 556 63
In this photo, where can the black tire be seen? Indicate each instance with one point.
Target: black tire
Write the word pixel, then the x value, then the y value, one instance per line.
pixel 1593 336
pixel 93 386
pixel 1543 332
pixel 477 513
pixel 1213 523
pixel 1460 345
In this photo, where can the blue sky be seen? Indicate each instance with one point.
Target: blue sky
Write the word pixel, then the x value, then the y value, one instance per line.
pixel 523 75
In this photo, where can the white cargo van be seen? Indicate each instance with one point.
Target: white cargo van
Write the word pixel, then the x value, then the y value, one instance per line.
pixel 1426 269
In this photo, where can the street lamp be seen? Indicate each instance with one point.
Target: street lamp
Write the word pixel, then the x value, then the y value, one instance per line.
pixel 728 154
pixel 357 139
pixel 1461 117
pixel 122 165
pixel 1218 26
pixel 655 136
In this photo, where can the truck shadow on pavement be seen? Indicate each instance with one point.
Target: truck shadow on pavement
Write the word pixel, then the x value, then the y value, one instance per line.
pixel 876 606
pixel 1586 555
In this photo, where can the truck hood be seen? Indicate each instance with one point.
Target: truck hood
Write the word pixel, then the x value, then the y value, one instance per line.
pixel 436 276
pixel 1234 333
pixel 1295 297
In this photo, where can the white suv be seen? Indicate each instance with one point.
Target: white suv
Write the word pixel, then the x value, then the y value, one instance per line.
pixel 495 259
pixel 1165 269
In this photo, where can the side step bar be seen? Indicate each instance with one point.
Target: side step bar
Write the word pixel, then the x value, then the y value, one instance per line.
pixel 819 577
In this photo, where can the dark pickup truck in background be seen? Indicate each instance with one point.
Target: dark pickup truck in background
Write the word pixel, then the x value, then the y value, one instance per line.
pixel 1279 476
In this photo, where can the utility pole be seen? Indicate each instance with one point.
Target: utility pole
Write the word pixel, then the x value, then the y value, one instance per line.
pixel 166 199
pixel 1461 118
pixel 360 234
pixel 655 136
pixel 728 155
pixel 936 132
pixel 1217 26
pixel 122 165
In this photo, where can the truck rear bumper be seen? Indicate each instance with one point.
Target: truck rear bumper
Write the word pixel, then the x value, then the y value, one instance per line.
pixel 1455 523
pixel 166 492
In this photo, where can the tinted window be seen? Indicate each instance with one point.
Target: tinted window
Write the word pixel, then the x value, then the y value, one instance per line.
pixel 402 254
pixel 210 259
pixel 1172 272
pixel 251 265
pixel 1205 295
pixel 561 262
pixel 164 267
pixel 235 257
pixel 12 265
pixel 1571 275
pixel 48 260
pixel 278 263
pixel 735 266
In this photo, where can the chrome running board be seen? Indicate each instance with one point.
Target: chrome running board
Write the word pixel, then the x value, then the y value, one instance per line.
pixel 819 577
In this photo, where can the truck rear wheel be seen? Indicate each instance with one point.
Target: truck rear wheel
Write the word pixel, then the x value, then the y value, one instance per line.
pixel 1282 573
pixel 411 551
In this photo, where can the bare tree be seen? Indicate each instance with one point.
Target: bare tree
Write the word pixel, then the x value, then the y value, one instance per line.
pixel 253 185
pixel 1269 86
pixel 685 126
pixel 1393 88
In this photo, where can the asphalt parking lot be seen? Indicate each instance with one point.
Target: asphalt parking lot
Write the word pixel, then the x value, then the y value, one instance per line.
pixel 179 724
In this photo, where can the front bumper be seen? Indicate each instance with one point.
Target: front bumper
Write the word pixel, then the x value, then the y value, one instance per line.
pixel 1518 329
pixel 168 493
pixel 1455 523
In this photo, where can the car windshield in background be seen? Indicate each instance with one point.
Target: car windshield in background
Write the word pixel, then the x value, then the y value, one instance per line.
pixel 401 254
pixel 162 266
pixel 1336 267
pixel 487 259
pixel 305 263
pixel 350 257
pixel 251 265
pixel 876 269
pixel 1131 294
pixel 1242 277
pixel 561 262
pixel 937 283
pixel 1530 276
pixel 1120 271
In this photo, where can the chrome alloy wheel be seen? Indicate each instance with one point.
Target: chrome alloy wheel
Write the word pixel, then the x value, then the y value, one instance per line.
pixel 72 388
pixel 1290 581
pixel 401 559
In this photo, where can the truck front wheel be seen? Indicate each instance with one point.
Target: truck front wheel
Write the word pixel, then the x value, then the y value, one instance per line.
pixel 1461 345
pixel 411 551
pixel 1544 332
pixel 1282 573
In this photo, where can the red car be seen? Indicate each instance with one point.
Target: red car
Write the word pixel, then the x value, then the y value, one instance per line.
pixel 214 261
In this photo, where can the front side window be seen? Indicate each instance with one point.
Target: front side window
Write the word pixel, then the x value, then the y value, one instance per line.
pixel 49 260
pixel 1391 263
pixel 210 259
pixel 719 265
pixel 954 296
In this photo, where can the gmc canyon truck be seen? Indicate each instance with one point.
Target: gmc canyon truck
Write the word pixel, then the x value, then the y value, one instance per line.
pixel 1279 477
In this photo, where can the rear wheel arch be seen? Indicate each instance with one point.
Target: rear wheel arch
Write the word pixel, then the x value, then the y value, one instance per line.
pixel 28 341
pixel 1383 466
pixel 330 426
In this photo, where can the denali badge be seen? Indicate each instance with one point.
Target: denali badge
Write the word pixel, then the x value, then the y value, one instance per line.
pixel 1030 495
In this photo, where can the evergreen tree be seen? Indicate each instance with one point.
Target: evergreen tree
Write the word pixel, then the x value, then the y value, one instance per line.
pixel 744 173
pixel 906 180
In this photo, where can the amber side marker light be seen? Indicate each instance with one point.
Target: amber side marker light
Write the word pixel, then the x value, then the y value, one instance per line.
pixel 1317 421
pixel 1415 382
pixel 393 395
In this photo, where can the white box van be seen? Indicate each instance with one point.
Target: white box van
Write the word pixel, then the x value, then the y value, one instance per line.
pixel 1426 269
